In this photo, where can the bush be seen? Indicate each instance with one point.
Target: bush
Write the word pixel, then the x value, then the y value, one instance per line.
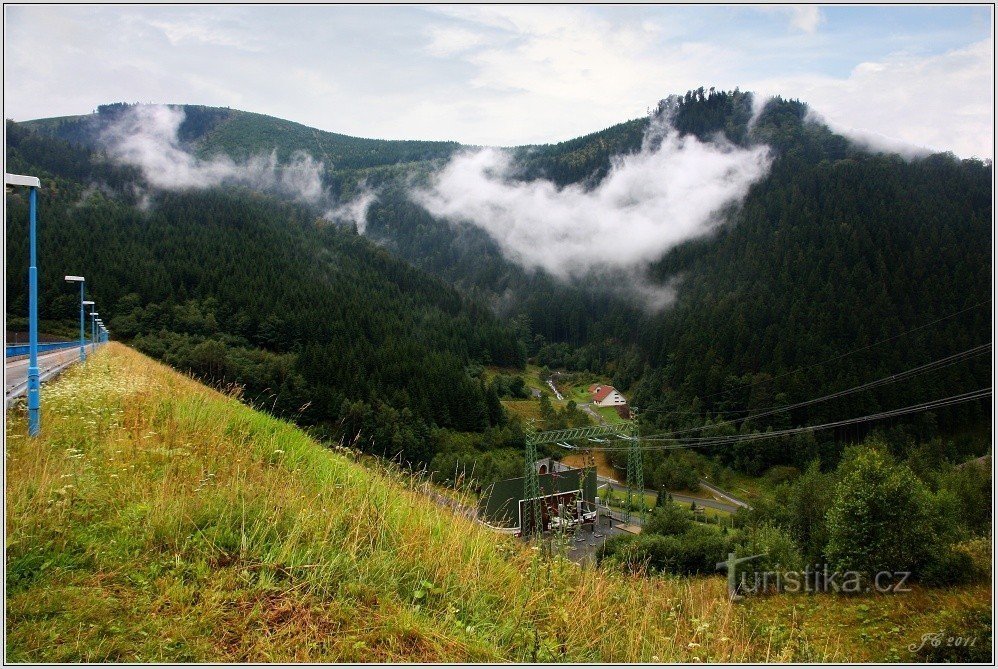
pixel 882 517
pixel 676 473
pixel 669 519
pixel 776 549
pixel 949 566
pixel 970 487
pixel 781 474
pixel 697 551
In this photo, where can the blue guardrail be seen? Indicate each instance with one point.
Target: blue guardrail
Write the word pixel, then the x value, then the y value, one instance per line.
pixel 22 349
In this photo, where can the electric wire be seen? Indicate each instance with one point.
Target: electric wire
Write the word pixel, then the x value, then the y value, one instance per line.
pixel 980 393
pixel 842 355
pixel 899 376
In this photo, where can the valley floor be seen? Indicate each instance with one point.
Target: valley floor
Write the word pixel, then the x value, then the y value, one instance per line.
pixel 155 519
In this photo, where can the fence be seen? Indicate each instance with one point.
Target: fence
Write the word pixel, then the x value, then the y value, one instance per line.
pixel 47 347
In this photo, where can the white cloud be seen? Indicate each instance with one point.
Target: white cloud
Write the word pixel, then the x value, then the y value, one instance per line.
pixel 673 190
pixel 499 75
pixel 803 18
pixel 450 40
pixel 197 30
pixel 546 74
pixel 354 211
pixel 806 18
pixel 943 102
pixel 146 136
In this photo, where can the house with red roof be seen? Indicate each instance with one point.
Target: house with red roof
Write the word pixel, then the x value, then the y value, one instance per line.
pixel 606 396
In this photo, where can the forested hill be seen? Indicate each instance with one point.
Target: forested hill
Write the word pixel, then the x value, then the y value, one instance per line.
pixel 838 249
pixel 238 134
pixel 315 321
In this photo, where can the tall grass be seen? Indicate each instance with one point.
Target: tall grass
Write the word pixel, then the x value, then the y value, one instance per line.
pixel 155 519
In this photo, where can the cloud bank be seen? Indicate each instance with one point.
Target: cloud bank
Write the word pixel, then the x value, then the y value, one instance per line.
pixel 146 136
pixel 675 189
pixel 904 102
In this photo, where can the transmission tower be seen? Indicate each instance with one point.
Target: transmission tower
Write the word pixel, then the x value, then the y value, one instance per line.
pixel 531 480
pixel 635 469
pixel 531 486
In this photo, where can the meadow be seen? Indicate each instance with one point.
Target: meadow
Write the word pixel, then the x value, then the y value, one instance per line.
pixel 158 520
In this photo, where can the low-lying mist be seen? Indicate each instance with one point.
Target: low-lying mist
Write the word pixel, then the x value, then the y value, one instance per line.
pixel 146 136
pixel 673 190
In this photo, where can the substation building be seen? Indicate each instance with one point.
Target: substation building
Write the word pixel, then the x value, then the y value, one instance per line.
pixel 567 495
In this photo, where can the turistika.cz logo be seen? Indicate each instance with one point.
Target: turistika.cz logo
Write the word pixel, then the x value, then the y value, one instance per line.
pixel 817 579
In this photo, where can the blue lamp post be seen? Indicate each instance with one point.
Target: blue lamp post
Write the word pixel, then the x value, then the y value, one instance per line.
pixel 83 341
pixel 93 339
pixel 34 402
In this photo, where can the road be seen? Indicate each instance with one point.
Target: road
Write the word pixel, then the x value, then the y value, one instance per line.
pixel 588 408
pixel 724 494
pixel 684 499
pixel 16 371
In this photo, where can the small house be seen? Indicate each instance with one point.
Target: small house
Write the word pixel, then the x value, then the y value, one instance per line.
pixel 606 396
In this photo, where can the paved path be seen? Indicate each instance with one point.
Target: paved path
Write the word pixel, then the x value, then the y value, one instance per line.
pixel 16 371
pixel 685 499
pixel 588 408
pixel 724 494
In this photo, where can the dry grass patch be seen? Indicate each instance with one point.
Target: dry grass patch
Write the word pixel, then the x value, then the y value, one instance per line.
pixel 155 519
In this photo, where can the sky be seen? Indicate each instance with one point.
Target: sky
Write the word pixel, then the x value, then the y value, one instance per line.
pixel 510 75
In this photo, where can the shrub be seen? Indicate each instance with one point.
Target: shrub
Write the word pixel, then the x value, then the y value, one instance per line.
pixel 949 566
pixel 881 518
pixel 697 551
pixel 776 549
pixel 781 474
pixel 669 518
pixel 961 563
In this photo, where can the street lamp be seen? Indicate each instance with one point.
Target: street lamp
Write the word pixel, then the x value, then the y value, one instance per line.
pixel 83 344
pixel 93 340
pixel 34 402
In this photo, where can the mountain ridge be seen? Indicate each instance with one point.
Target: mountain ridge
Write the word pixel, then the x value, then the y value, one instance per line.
pixel 814 261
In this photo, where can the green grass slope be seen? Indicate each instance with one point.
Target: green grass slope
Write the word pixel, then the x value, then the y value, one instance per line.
pixel 155 519
pixel 158 520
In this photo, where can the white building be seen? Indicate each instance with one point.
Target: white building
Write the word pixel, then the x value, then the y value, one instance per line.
pixel 606 396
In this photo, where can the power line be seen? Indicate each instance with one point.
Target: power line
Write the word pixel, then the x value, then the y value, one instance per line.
pixel 843 355
pixel 708 441
pixel 899 376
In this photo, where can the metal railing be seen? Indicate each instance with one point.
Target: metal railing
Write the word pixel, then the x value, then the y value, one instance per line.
pixel 47 347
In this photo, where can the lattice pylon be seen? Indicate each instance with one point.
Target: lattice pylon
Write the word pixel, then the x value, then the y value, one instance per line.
pixel 531 488
pixel 635 471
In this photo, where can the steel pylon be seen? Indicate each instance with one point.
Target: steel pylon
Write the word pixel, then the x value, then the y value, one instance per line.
pixel 635 470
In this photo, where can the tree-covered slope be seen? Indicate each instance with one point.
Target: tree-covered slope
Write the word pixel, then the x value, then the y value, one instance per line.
pixel 837 248
pixel 239 134
pixel 235 286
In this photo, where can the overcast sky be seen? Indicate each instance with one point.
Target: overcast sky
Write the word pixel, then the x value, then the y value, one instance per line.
pixel 511 74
